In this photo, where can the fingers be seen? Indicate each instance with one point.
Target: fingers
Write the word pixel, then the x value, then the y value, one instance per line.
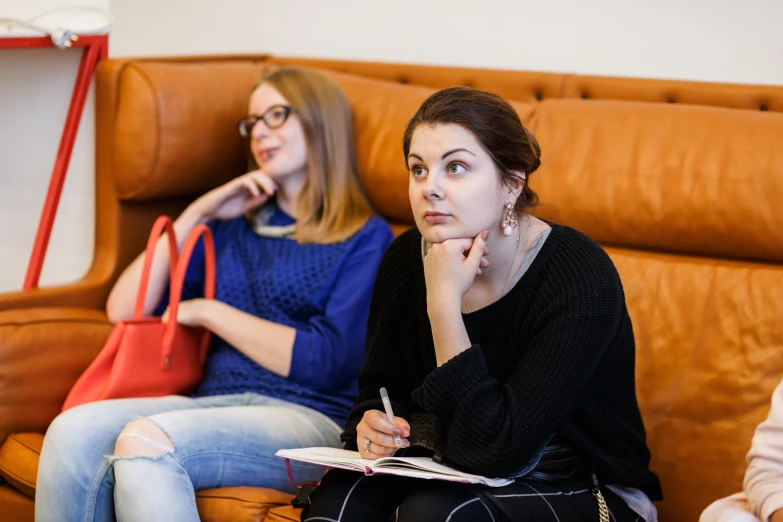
pixel 477 249
pixel 404 426
pixel 373 451
pixel 165 317
pixel 381 441
pixel 377 421
pixel 252 187
pixel 461 244
pixel 264 182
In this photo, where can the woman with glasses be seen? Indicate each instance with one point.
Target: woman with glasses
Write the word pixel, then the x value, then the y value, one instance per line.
pixel 297 249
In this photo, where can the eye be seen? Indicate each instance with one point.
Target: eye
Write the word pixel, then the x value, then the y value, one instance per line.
pixel 418 171
pixel 456 168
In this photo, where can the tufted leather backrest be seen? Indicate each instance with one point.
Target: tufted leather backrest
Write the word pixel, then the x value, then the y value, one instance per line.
pixel 735 96
pixel 523 86
pixel 530 86
pixel 689 179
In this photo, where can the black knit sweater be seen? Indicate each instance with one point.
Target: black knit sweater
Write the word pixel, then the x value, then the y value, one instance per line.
pixel 555 355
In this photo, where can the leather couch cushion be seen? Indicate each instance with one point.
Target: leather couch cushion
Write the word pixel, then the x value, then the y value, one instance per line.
pixel 16 507
pixel 19 457
pixel 284 514
pixel 239 504
pixel 176 126
pixel 696 180
pixel 42 353
pixel 20 453
pixel 709 340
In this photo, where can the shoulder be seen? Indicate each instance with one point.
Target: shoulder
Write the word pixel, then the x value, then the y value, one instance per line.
pixel 226 231
pixel 574 251
pixel 375 234
pixel 405 247
pixel 377 227
pixel 228 227
pixel 577 265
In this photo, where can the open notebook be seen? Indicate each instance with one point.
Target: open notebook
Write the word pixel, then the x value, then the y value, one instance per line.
pixel 416 467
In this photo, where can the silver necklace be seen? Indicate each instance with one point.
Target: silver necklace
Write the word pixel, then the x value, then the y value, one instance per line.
pixel 260 221
pixel 508 275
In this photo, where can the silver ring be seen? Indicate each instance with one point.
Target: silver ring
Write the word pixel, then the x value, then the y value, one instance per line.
pixel 367 446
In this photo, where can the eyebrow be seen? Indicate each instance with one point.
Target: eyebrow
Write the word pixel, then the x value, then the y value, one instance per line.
pixel 449 153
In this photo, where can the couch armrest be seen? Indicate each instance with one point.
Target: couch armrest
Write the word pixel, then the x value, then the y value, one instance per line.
pixel 42 353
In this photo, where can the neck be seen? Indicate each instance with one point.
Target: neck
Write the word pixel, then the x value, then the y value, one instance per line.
pixel 288 190
pixel 504 254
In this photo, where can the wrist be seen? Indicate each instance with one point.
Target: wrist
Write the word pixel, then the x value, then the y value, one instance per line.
pixel 447 308
pixel 204 311
pixel 192 215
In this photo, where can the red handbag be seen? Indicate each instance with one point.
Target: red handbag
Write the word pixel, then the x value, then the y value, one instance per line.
pixel 143 356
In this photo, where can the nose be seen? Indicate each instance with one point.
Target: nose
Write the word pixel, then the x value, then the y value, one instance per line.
pixel 259 131
pixel 433 189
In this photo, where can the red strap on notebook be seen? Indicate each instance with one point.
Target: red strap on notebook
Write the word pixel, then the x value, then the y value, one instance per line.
pixel 293 481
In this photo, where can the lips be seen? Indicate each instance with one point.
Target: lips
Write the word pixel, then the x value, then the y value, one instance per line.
pixel 435 217
pixel 266 155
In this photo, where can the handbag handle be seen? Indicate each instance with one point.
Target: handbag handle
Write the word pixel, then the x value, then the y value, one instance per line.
pixel 178 280
pixel 162 224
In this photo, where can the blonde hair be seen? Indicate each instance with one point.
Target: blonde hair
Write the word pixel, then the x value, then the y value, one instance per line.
pixel 331 206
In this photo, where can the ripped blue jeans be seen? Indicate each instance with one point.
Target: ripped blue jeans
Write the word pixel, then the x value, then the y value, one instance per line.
pixel 221 441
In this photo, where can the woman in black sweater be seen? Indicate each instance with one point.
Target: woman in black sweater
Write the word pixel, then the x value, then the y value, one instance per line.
pixel 504 343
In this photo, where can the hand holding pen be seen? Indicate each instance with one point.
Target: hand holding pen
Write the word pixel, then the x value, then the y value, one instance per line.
pixel 381 434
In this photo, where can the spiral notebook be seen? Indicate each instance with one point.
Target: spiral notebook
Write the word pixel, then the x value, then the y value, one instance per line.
pixel 415 467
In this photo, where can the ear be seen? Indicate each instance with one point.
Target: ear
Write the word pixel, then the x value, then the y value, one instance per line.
pixel 516 184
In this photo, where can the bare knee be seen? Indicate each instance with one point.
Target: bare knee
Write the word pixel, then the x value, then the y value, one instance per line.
pixel 142 438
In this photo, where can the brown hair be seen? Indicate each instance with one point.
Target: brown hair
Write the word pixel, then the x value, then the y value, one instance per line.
pixel 331 205
pixel 494 123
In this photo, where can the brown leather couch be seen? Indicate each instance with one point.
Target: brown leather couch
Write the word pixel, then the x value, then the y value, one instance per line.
pixel 682 182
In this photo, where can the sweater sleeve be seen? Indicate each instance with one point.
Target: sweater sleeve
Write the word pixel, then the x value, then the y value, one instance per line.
pixel 764 476
pixel 329 350
pixel 498 429
pixel 385 362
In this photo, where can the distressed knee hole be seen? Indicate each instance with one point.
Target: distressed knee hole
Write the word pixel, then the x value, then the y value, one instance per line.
pixel 142 438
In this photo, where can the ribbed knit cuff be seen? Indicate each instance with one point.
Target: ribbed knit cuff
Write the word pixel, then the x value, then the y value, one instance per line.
pixel 447 384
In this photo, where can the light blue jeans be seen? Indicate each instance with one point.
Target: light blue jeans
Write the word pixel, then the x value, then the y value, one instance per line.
pixel 221 441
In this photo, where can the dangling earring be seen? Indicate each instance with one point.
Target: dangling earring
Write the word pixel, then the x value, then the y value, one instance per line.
pixel 509 224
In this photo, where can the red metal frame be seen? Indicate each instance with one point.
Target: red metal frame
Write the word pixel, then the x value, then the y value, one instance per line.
pixel 96 48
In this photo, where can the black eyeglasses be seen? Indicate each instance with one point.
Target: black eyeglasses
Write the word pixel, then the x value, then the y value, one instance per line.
pixel 273 118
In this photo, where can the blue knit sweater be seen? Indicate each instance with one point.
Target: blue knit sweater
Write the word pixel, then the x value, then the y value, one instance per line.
pixel 323 291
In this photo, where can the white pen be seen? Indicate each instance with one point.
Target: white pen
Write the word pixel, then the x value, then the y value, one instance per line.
pixel 390 414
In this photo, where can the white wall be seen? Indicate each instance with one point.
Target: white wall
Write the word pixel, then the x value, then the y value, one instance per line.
pixel 711 40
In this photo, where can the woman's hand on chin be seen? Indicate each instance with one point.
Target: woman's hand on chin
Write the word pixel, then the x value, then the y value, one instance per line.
pixel 450 268
pixel 235 197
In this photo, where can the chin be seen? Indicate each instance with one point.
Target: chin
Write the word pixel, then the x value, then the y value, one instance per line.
pixel 280 172
pixel 441 233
